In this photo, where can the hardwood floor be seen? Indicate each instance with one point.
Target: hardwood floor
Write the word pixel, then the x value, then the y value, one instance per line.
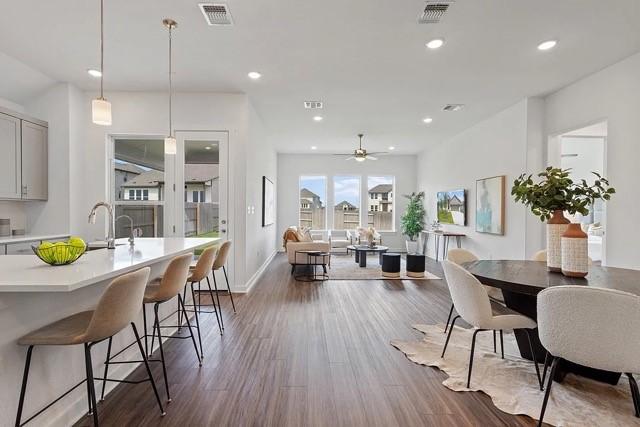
pixel 309 354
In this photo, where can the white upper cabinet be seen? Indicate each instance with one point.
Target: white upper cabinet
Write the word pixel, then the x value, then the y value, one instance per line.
pixel 34 161
pixel 10 157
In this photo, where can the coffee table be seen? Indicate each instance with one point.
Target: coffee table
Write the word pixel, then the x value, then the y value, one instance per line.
pixel 362 250
pixel 314 259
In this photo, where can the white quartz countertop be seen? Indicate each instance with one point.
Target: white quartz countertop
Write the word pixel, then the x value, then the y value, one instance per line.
pixel 9 240
pixel 27 273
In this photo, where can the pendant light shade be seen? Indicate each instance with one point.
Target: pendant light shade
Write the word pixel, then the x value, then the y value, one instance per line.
pixel 101 112
pixel 100 107
pixel 170 140
pixel 170 145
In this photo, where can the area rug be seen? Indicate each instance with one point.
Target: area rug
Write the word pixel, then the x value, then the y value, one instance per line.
pixel 512 383
pixel 344 267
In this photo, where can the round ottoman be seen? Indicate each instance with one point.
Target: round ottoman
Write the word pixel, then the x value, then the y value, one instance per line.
pixel 391 265
pixel 415 265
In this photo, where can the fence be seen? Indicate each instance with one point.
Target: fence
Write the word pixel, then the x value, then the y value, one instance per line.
pixel 199 218
pixel 345 220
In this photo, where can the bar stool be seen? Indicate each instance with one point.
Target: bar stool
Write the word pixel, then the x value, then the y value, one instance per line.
pixel 118 306
pixel 219 263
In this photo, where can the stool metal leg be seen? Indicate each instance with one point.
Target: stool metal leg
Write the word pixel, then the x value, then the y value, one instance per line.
pixel 215 286
pixel 554 367
pixel 224 270
pixel 213 302
pixel 195 312
pixel 156 324
pixel 193 339
pixel 144 324
pixel 23 388
pixel 146 365
pixel 90 383
pixel 106 369
pixel 446 326
pixel 446 343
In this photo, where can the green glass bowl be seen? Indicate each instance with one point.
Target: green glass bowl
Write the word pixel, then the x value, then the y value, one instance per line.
pixel 59 254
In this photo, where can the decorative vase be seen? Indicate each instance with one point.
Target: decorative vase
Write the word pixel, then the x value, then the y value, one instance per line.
pixel 556 226
pixel 412 246
pixel 575 257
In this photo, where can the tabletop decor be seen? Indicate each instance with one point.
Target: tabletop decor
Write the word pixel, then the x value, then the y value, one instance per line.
pixel 60 253
pixel 548 199
pixel 369 235
pixel 412 221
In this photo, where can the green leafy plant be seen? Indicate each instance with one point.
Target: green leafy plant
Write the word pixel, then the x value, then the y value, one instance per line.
pixel 412 222
pixel 557 191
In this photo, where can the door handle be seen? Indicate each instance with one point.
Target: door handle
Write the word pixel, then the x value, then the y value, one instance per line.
pixel 223 231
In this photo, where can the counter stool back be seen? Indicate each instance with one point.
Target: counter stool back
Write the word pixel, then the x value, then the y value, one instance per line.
pixel 118 307
pixel 200 272
pixel 220 263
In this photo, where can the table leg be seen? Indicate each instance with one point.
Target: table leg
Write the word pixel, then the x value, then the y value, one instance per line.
pixel 380 257
pixel 363 259
pixel 445 248
pixel 459 241
pixel 437 246
pixel 357 256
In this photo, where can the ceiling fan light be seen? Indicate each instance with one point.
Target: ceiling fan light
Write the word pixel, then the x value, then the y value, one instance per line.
pixel 360 159
pixel 170 145
pixel 101 112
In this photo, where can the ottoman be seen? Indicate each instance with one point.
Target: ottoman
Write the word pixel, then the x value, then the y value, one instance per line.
pixel 391 265
pixel 415 265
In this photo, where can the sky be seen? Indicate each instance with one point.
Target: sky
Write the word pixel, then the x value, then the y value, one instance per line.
pixel 345 187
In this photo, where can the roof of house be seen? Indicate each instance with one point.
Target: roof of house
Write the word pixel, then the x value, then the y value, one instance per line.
pixel 307 194
pixel 345 203
pixel 129 167
pixel 455 201
pixel 381 188
pixel 153 178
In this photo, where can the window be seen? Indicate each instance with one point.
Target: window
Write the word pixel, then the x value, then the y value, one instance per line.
pixel 381 202
pixel 145 194
pixel 132 194
pixel 346 197
pixel 313 196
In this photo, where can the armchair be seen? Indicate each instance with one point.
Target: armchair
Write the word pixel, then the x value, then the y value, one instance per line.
pixel 340 239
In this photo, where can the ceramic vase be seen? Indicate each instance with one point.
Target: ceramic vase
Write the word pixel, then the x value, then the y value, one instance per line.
pixel 575 257
pixel 556 226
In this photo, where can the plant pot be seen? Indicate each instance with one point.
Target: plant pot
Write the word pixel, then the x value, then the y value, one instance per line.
pixel 412 246
pixel 575 257
pixel 556 226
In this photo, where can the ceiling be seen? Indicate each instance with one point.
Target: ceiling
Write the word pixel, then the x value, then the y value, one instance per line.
pixel 366 59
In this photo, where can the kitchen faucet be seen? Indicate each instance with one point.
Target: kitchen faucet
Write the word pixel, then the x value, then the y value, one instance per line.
pixel 111 241
pixel 131 235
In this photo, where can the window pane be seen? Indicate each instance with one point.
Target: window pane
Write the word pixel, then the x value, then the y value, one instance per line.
pixel 381 202
pixel 346 195
pixel 201 176
pixel 313 196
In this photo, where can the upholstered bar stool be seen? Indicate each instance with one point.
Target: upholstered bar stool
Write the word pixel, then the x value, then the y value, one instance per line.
pixel 219 263
pixel 117 308
pixel 391 265
pixel 200 272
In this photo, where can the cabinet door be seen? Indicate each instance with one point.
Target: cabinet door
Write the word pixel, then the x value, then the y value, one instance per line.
pixel 35 165
pixel 10 157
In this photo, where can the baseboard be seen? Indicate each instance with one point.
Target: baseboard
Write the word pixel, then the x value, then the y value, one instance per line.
pixel 256 276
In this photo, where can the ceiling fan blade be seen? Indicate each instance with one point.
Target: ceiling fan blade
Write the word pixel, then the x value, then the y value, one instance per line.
pixel 341 154
pixel 378 153
pixel 350 158
pixel 371 157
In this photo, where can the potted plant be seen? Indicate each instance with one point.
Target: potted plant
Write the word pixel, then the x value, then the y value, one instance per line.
pixel 548 199
pixel 412 222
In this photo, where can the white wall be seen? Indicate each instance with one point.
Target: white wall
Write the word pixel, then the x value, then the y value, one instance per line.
pixel 612 94
pixel 508 143
pixel 292 166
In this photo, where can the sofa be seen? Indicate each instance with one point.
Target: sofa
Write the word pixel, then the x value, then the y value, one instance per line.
pixel 298 239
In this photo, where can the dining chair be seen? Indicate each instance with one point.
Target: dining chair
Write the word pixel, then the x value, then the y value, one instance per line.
pixel 117 308
pixel 541 256
pixel 474 307
pixel 594 327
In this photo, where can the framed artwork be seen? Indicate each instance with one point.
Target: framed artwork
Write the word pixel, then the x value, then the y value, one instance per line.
pixel 490 205
pixel 452 207
pixel 268 202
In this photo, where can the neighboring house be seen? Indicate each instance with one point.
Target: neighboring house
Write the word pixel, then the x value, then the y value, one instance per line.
pixel 456 205
pixel 345 206
pixel 123 173
pixel 309 200
pixel 381 198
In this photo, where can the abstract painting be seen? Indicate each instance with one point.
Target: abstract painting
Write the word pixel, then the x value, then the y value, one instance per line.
pixel 268 202
pixel 490 205
pixel 452 207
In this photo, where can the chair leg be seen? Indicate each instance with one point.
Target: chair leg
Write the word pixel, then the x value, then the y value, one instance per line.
pixel 224 270
pixel 495 349
pixel 473 348
pixel 501 344
pixel 554 366
pixel 213 302
pixel 106 369
pixel 195 312
pixel 293 269
pixel 215 286
pixel 535 361
pixel 146 365
pixel 90 383
pixel 156 324
pixel 546 364
pixel 446 343
pixel 635 393
pixel 23 388
pixel 193 338
pixel 144 325
pixel 448 319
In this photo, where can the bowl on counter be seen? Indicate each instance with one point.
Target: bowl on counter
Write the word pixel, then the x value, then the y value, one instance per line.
pixel 61 253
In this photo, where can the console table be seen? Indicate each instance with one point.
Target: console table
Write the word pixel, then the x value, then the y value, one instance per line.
pixel 445 235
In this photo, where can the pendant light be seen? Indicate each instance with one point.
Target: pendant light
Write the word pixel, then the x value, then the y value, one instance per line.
pixel 100 107
pixel 170 141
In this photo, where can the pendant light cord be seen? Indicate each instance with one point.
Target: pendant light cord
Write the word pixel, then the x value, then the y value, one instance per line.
pixel 101 49
pixel 170 84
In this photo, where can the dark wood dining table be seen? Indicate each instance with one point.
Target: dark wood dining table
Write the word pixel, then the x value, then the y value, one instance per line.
pixel 521 281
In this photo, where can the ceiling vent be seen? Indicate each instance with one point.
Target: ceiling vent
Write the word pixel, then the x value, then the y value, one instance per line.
pixel 453 107
pixel 216 13
pixel 434 10
pixel 313 105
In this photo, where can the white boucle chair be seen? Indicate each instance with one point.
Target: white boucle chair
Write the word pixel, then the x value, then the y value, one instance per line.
pixel 473 305
pixel 594 327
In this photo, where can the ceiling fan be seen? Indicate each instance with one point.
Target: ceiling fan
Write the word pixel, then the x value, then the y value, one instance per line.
pixel 360 154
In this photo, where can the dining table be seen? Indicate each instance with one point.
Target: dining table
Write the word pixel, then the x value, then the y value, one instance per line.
pixel 521 281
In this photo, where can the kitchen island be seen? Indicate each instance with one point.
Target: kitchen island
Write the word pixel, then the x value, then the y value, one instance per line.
pixel 33 294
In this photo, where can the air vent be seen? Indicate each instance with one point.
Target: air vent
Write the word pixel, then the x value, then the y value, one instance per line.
pixel 216 13
pixel 434 10
pixel 313 105
pixel 453 107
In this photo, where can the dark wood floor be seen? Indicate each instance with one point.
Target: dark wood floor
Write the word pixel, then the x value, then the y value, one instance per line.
pixel 310 354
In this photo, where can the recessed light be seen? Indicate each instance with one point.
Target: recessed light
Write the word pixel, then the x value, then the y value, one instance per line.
pixel 549 44
pixel 427 120
pixel 392 148
pixel 254 75
pixel 94 73
pixel 317 118
pixel 207 148
pixel 435 43
pixel 313 147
